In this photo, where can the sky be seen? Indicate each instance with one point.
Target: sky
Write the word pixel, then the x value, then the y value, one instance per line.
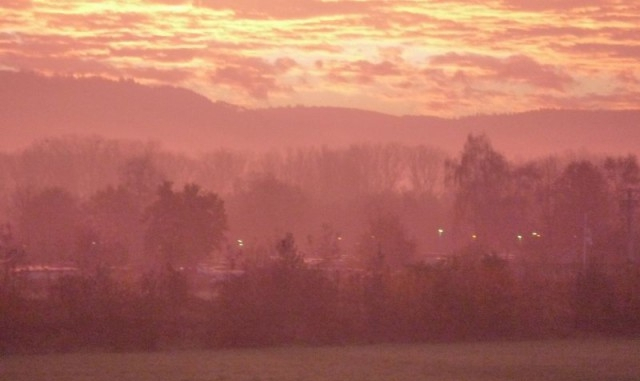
pixel 445 58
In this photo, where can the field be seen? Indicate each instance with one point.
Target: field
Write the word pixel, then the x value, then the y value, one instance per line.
pixel 584 360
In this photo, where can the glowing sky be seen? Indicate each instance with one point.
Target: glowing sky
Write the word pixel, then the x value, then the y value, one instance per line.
pixel 447 58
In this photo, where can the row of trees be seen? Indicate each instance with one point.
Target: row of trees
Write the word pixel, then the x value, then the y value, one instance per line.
pixel 179 228
pixel 53 196
pixel 410 202
pixel 495 248
pixel 474 295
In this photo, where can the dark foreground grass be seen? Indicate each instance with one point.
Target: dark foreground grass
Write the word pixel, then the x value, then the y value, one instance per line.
pixel 583 360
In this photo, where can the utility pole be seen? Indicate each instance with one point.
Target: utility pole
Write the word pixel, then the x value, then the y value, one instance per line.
pixel 630 205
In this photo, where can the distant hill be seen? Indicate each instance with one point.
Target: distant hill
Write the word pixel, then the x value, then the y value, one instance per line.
pixel 34 107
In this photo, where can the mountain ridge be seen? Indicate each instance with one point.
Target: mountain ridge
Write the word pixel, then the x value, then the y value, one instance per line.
pixel 35 107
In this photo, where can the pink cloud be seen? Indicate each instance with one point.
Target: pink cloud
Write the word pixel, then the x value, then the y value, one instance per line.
pixel 619 100
pixel 62 65
pixel 612 49
pixel 94 66
pixel 255 76
pixel 46 45
pixel 173 2
pixel 173 76
pixel 366 49
pixel 542 5
pixel 411 22
pixel 628 12
pixel 289 8
pixel 440 78
pixel 15 4
pixel 518 68
pixel 628 76
pixel 98 21
pixel 157 54
pixel 520 32
pixel 362 71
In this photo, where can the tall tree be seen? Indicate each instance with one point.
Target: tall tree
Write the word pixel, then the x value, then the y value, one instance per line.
pixel 141 176
pixel 424 169
pixel 623 176
pixel 582 210
pixel 184 227
pixel 622 172
pixel 481 178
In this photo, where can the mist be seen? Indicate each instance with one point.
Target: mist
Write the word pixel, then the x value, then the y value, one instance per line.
pixel 370 242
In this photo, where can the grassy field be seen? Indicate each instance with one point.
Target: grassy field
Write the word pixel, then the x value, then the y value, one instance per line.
pixel 584 360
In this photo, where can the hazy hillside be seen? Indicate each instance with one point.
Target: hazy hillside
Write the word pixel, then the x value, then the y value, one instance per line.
pixel 34 107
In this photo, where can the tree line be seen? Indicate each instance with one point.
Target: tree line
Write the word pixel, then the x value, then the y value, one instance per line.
pixel 313 246
pixel 473 295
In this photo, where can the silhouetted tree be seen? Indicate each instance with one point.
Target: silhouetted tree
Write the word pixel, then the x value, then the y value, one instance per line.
pixel 289 258
pixel 425 169
pixel 264 207
pixel 622 172
pixel 115 216
pixel 48 222
pixel 581 211
pixel 221 169
pixel 473 295
pixel 141 176
pixel 79 164
pixel 594 300
pixel 184 227
pixel 481 179
pixel 385 243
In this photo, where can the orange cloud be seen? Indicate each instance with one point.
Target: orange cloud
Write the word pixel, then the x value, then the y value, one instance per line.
pixel 257 77
pixel 15 4
pixel 619 100
pixel 517 68
pixel 395 56
pixel 158 54
pixel 610 49
pixel 289 8
pixel 558 5
pixel 362 71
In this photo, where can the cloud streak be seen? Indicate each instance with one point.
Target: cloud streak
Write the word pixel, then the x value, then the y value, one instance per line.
pixel 449 58
pixel 517 68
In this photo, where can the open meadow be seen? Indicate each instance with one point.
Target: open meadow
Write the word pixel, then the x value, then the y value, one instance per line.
pixel 562 360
